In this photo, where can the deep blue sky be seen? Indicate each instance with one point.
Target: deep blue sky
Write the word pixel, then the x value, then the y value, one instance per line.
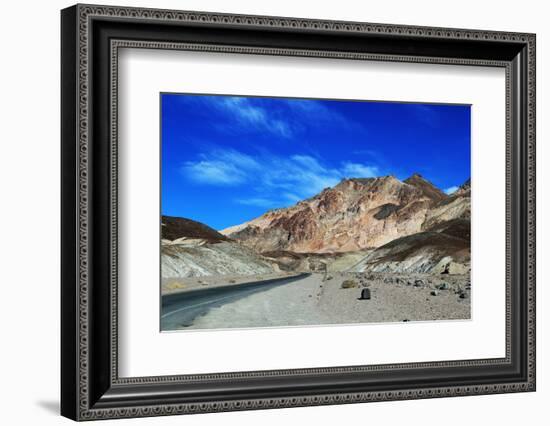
pixel 228 159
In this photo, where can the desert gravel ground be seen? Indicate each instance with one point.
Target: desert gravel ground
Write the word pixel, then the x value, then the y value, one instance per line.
pixel 317 300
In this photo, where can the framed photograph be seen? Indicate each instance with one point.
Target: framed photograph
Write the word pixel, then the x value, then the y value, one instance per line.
pixel 263 212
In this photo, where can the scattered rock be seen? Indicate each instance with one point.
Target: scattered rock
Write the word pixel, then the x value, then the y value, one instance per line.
pixel 463 295
pixel 176 285
pixel 449 267
pixel 443 286
pixel 328 278
pixel 434 293
pixel 349 284
pixel 418 283
pixel 365 294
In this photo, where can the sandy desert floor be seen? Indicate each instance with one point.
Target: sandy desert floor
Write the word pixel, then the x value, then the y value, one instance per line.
pixel 334 298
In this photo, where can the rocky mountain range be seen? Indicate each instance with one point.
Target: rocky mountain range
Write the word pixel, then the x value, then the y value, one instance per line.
pixel 378 224
pixel 356 214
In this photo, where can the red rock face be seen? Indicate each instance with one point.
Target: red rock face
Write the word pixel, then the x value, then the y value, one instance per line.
pixel 330 201
pixel 355 214
pixel 300 226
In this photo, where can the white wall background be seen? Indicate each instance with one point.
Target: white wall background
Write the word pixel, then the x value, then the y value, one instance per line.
pixel 29 214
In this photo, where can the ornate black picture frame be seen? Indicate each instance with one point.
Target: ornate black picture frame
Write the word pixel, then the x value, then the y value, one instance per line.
pixel 91 387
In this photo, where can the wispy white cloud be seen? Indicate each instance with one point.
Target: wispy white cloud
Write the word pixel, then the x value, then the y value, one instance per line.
pixel 214 172
pixel 318 113
pixel 290 197
pixel 302 175
pixel 221 167
pixel 275 180
pixel 308 162
pixel 284 118
pixel 237 158
pixel 451 189
pixel 250 114
pixel 258 202
pixel 359 170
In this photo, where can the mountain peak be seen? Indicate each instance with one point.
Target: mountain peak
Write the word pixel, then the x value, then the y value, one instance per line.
pixel 417 177
pixel 427 188
pixel 361 184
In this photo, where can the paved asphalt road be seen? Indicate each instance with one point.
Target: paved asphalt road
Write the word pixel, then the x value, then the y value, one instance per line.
pixel 180 309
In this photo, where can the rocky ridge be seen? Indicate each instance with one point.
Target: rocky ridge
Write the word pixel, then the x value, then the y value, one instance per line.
pixel 193 249
pixel 356 214
pixel 380 225
pixel 178 229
